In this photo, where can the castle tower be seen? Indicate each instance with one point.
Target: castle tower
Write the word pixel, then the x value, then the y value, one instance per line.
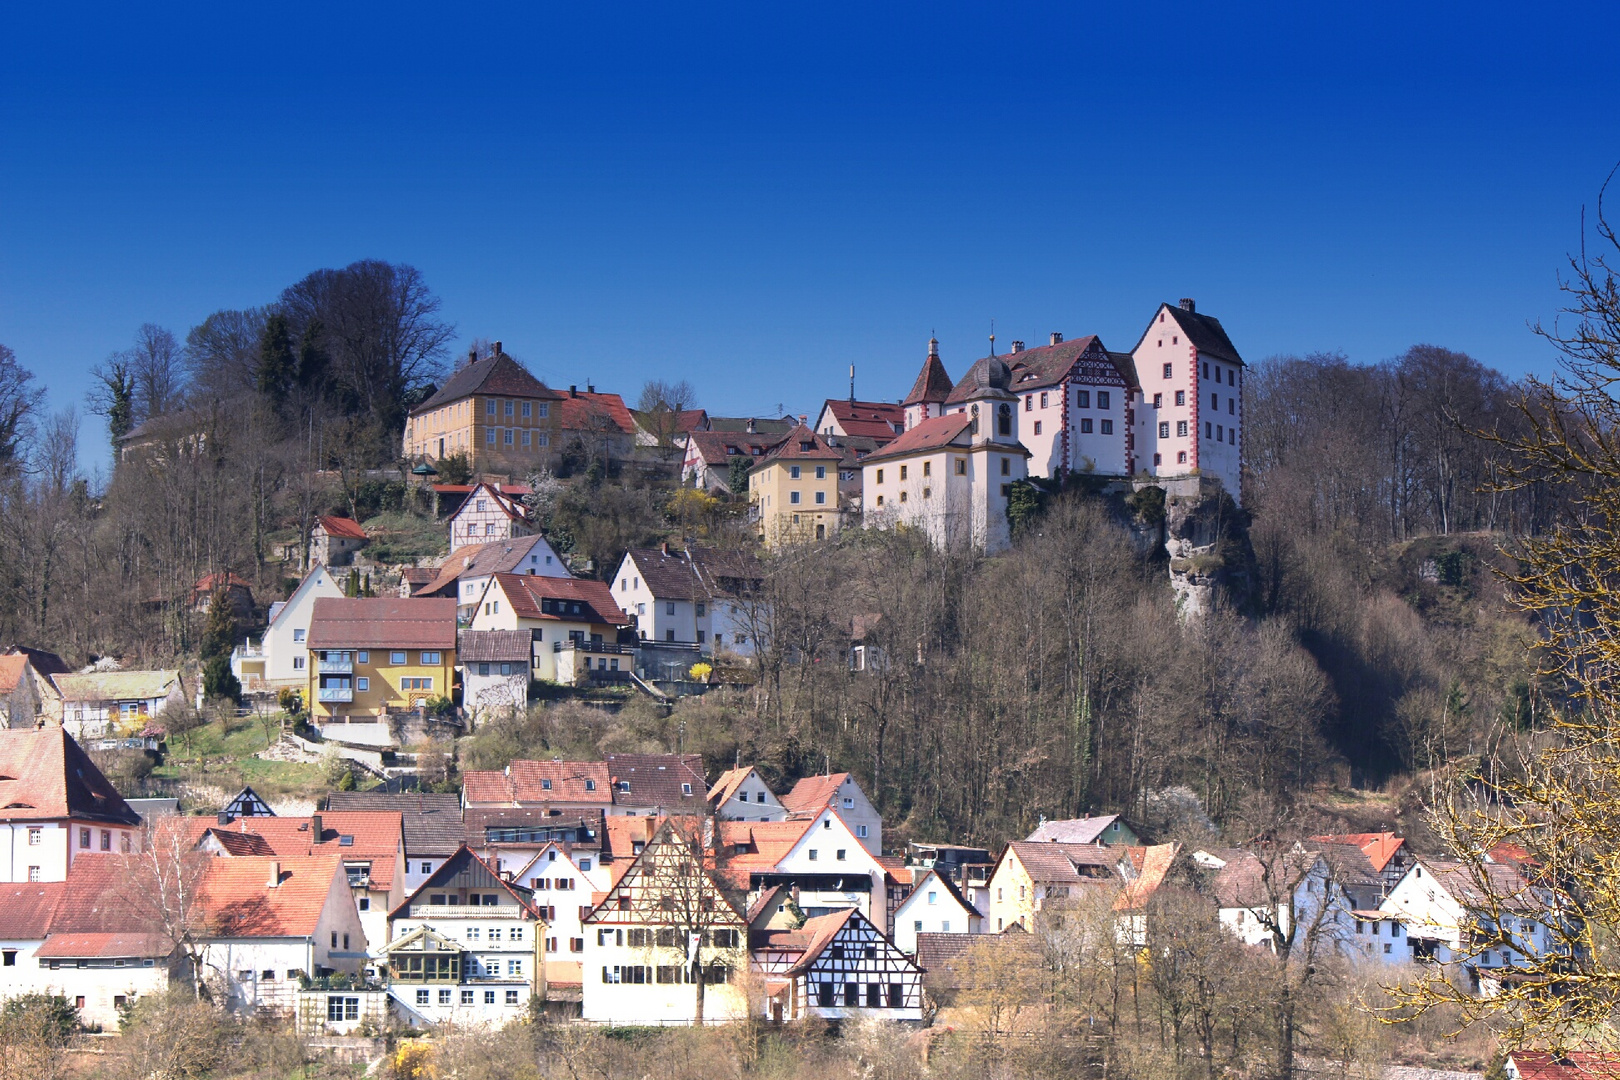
pixel 928 393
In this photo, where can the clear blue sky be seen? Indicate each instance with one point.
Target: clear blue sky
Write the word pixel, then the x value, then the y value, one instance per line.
pixel 754 196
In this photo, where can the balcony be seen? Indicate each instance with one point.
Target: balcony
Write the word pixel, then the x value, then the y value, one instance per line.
pixel 335 694
pixel 462 911
pixel 344 666
pixel 601 648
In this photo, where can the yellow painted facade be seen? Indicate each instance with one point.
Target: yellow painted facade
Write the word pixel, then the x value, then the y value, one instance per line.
pixel 494 432
pixel 376 680
pixel 793 491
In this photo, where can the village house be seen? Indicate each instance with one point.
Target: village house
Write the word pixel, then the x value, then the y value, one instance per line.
pixel 574 624
pixel 1450 915
pixel 952 475
pixel 594 427
pixel 816 856
pixel 1189 412
pixel 495 671
pixel 431 821
pixel 740 795
pixel 563 877
pixel 333 541
pixel 700 596
pixel 370 843
pixel 116 702
pixel 1389 854
pixel 1258 898
pixel 271 920
pixel 668 943
pixel 711 454
pixel 492 411
pixel 835 967
pixel 935 906
pixel 27 695
pixel 1108 829
pixel 465 947
pixel 840 792
pixel 374 656
pixel 567 787
pixel 56 806
pixel 281 658
pixel 237 590
pixel 657 784
pixel 793 490
pixel 1030 877
pixel 665 430
pixel 467 573
pixel 880 421
pixel 489 514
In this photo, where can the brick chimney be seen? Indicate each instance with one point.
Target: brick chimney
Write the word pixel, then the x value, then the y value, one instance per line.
pixel 497 350
pixel 1188 305
pixel 1018 346
pixel 275 875
pixel 1057 338
pixel 573 390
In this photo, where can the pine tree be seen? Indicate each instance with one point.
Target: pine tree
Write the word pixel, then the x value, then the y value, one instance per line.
pixel 219 631
pixel 277 369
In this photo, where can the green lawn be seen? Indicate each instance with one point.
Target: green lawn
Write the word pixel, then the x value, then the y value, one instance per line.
pixel 224 756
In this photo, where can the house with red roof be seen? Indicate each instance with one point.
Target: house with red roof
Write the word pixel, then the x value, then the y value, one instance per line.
pixel 27 695
pixel 881 421
pixel 710 452
pixel 836 967
pixel 370 656
pixel 1570 1065
pixel 741 794
pixel 594 427
pixel 574 623
pixel 840 792
pixel 334 540
pixel 56 807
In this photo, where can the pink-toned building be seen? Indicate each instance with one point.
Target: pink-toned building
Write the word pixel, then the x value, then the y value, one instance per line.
pixel 1190 400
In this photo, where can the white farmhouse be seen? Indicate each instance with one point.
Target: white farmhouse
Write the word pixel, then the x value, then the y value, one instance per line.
pixel 495 667
pixel 836 967
pixel 741 795
pixel 1450 914
pixel 56 807
pixel 699 596
pixel 280 657
pixel 935 906
pixel 574 624
pixel 468 571
pixel 110 702
pixel 840 792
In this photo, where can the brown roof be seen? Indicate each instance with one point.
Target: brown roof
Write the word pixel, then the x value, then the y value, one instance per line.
pixel 874 419
pixel 717 447
pixel 932 434
pixel 495 375
pixel 739 424
pixel 1048 365
pixel 432 820
pixel 698 573
pixel 1206 333
pixel 44 774
pixel 1084 830
pixel 1066 863
pixel 346 528
pixel 656 779
pixel 478 560
pixel 933 384
pixel 800 444
pixel 382 623
pixel 571 599
pixel 99 945
pixel 46 663
pixel 813 794
pixel 457 864
pixel 485 646
pixel 941 955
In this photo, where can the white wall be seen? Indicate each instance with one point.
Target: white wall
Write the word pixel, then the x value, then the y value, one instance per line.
pixel 284 645
pixel 933 907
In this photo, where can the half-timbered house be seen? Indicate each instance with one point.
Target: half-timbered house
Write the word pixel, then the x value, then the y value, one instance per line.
pixel 835 967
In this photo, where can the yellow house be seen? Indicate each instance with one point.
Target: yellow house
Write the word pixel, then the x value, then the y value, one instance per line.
pixel 369 657
pixel 493 411
pixel 1033 875
pixel 793 490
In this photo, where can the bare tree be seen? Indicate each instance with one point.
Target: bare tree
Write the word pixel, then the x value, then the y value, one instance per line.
pixel 162 886
pixel 157 366
pixel 660 406
pixel 19 402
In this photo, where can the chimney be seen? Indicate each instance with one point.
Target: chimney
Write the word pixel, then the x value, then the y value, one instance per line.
pixel 933 347
pixel 275 874
pixel 750 425
pixel 573 390
pixel 497 349
pixel 1188 305
pixel 1057 338
pixel 590 388
pixel 1018 346
pixel 315 828
pixel 803 419
pixel 665 547
pixel 472 355
pixel 224 817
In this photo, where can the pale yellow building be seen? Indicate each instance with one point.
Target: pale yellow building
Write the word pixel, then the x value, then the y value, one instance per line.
pixel 372 656
pixel 502 418
pixel 793 490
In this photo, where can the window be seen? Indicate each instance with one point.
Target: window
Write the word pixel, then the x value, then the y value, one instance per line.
pixel 841 855
pixel 928 468
pixel 84 838
pixel 396 657
pixel 1107 427
pixel 514 968
pixel 8 958
pixel 1029 402
pixel 860 830
pixel 298 663
pixel 1181 397
pixel 1168 367
pixel 669 608
pixel 1006 466
pixel 430 657
pixel 1386 946
pixel 511 997
pixel 362 682
pixel 1082 399
pixel 1164 429
pixel 686 789
pixel 702 609
pixel 422 997
pixel 489 407
pixel 1085 426
pixel 880 476
pixel 1102 399
pixel 427 868
pixel 489 437
pixel 364 656
pixel 1207 426
pixel 821 472
pixel 1181 457
pixel 961 466
pixel 793 497
pixel 365 903
pixel 298 634
pixel 1158 459
pixel 793 472
pixel 444 997
pixel 1038 426
pixel 1181 429
pixel 342 1008
pixel 1158 401
pixel 821 498
pixel 902 496
pixel 813 854
pixel 903 471
pixel 33 837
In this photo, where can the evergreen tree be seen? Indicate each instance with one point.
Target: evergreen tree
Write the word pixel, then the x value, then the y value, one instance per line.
pixel 312 358
pixel 219 631
pixel 277 369
pixel 118 392
pixel 219 681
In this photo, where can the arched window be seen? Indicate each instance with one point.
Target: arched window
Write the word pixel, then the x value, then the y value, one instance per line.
pixel 1004 421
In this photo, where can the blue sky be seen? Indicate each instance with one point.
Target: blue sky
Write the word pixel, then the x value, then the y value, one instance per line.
pixel 754 196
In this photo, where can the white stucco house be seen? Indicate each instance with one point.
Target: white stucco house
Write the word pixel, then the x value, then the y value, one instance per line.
pixel 279 659
pixel 742 795
pixel 935 906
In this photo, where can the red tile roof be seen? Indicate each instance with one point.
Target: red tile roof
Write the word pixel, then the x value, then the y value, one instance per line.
pixel 11 672
pixel 105 944
pixel 587 411
pixel 934 433
pixel 538 783
pixel 655 780
pixel 44 775
pixel 800 444
pixel 528 594
pixel 494 646
pixel 1378 847
pixel 346 528
pixel 873 419
pixel 382 623
pixel 26 908
pixel 237 901
pixel 376 836
pixel 813 794
pixel 933 385
pixel 718 447
pixel 1150 864
pixel 1576 1065
pixel 724 788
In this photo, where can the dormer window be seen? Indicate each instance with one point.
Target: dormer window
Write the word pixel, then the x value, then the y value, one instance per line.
pixel 590 785
pixel 624 787
pixel 545 785
pixel 806 447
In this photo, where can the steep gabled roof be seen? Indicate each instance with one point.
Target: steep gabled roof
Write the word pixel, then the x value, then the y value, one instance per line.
pixel 479 560
pixel 591 411
pixel 312 581
pixel 724 788
pixel 657 779
pixel 1379 847
pixel 46 663
pixel 498 375
pixel 1084 830
pixel 455 866
pixel 698 573
pixel 382 623
pixel 813 794
pixel 874 419
pixel 372 835
pixel 432 820
pixel 12 669
pixel 44 775
pixel 238 902
pixel 344 528
pixel 494 646
pixel 1047 365
pixel 1204 332
pixel 933 384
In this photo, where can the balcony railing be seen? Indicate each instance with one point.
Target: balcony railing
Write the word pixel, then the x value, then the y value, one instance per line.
pixel 335 667
pixel 600 647
pixel 462 911
pixel 334 694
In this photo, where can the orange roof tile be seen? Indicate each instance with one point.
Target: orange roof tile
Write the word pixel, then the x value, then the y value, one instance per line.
pixel 45 775
pixel 814 793
pixel 345 528
pixel 377 836
pixel 237 900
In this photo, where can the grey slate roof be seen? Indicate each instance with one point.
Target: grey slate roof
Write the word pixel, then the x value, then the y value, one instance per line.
pixel 432 820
